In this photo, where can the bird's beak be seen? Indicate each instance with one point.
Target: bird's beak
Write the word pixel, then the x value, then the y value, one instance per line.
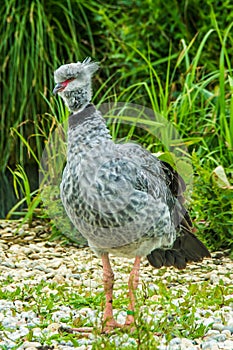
pixel 57 88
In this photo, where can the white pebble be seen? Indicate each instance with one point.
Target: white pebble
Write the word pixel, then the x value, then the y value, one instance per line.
pixel 228 344
pixel 218 326
pixel 212 332
pixel 210 345
pixel 28 344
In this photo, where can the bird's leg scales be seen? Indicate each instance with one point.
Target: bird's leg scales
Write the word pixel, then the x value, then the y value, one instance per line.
pixel 109 322
pixel 133 284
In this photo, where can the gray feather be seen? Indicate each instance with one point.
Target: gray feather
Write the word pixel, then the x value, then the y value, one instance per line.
pixel 121 198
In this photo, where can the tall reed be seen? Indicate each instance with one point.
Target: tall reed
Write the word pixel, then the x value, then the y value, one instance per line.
pixel 35 39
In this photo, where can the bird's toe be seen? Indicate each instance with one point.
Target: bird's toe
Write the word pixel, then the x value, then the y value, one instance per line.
pixel 85 331
pixel 110 325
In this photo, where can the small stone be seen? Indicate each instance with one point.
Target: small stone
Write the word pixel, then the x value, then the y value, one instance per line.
pixel 220 337
pixel 207 322
pixel 8 263
pixel 29 237
pixel 214 278
pixel 31 345
pixel 178 301
pixel 218 326
pixel 186 344
pixel 59 279
pixel 37 332
pixel 228 328
pixel 3 224
pixel 155 297
pixel 210 345
pixel 34 256
pixel 228 344
pixel 121 316
pixel 7 236
pixel 3 245
pixel 217 255
pixel 175 341
pixel 230 323
pixel 39 228
pixel 18 305
pixel 212 332
pixel 89 283
pixel 76 276
pixel 226 332
pixel 42 267
pixel 54 327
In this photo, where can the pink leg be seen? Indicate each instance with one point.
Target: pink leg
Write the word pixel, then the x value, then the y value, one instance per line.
pixel 133 284
pixel 108 281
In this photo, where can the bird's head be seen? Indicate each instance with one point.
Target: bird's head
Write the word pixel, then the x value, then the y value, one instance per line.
pixel 73 83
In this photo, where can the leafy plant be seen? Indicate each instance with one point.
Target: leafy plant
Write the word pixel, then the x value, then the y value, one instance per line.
pixel 24 194
pixel 212 206
pixel 30 51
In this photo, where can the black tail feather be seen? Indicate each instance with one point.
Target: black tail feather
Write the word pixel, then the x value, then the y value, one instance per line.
pixel 186 248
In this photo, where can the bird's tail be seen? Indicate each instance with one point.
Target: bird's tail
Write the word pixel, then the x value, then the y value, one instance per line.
pixel 186 248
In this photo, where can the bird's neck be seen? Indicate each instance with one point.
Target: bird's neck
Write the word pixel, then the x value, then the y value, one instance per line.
pixel 87 129
pixel 77 100
pixel 82 117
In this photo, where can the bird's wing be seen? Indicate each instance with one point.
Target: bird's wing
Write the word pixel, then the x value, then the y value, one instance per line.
pixel 154 175
pixel 177 187
pixel 152 170
pixel 187 247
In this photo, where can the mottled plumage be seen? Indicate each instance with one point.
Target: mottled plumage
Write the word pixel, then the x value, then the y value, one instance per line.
pixel 120 197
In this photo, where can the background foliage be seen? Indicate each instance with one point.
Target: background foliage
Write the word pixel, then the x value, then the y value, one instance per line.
pixel 173 56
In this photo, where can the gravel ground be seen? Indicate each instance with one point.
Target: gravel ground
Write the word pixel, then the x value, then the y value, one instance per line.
pixel 45 285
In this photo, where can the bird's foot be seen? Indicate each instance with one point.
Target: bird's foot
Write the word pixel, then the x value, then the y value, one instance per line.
pixel 129 322
pixel 109 325
pixel 129 327
pixel 129 318
pixel 84 331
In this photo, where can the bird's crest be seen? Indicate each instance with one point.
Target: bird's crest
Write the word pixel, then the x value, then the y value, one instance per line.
pixel 73 70
pixel 90 66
